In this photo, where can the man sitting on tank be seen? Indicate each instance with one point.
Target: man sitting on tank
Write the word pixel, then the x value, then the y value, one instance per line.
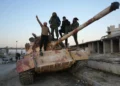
pixel 36 41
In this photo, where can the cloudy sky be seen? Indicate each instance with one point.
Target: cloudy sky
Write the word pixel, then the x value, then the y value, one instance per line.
pixel 17 18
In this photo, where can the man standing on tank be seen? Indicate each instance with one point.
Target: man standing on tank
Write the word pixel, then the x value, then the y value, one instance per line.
pixel 54 24
pixel 65 28
pixel 74 25
pixel 44 35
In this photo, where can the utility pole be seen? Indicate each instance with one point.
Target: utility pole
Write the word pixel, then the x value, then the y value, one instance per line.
pixel 82 41
pixel 16 46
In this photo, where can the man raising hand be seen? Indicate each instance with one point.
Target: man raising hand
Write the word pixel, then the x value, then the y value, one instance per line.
pixel 44 35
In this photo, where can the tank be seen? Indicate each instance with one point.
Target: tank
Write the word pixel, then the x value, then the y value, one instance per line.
pixel 56 57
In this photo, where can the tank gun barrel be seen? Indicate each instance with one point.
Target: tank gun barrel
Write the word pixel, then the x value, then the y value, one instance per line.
pixel 109 9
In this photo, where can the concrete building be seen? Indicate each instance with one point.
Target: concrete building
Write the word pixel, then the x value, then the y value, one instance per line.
pixel 107 44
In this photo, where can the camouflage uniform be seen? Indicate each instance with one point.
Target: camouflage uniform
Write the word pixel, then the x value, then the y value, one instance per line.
pixel 74 25
pixel 54 24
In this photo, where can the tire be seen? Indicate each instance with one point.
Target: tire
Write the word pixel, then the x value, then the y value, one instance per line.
pixel 26 78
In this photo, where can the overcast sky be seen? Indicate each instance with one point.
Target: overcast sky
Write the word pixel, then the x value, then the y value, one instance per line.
pixel 17 18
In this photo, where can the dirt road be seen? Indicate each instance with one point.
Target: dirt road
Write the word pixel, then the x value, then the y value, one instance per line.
pixel 10 78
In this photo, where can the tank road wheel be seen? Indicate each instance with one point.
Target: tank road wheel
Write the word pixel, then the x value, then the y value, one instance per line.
pixel 26 78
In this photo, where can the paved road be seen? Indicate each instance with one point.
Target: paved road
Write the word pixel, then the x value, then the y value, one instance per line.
pixel 9 77
pixel 6 70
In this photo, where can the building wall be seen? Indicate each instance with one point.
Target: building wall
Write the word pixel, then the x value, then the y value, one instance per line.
pixel 114 31
pixel 111 44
